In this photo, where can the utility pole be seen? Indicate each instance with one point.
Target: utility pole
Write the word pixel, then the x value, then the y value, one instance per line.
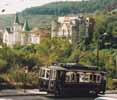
pixel 116 62
pixel 98 52
pixel 97 56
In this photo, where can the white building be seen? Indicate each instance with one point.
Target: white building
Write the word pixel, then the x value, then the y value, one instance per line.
pixel 63 26
pixel 20 34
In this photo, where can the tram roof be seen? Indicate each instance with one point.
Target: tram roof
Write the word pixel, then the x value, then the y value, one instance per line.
pixel 55 67
pixel 71 66
pixel 79 67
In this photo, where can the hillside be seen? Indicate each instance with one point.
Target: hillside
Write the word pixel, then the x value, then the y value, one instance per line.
pixel 63 8
pixel 42 21
pixel 43 15
pixel 12 70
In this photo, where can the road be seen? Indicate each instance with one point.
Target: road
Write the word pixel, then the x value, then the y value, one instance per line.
pixel 42 98
pixel 38 97
pixel 34 94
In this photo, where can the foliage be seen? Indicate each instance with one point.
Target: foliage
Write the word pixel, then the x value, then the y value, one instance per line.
pixel 110 83
pixel 64 8
pixel 14 60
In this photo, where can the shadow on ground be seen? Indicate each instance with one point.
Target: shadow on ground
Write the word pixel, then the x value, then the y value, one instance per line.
pixel 72 97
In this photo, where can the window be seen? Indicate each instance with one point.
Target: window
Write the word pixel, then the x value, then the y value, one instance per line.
pixel 94 78
pixel 47 74
pixel 98 79
pixel 78 76
pixel 71 77
pixel 91 77
pixel 84 77
pixel 43 73
pixel 53 75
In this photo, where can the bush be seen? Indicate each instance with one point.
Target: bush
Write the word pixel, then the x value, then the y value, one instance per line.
pixel 17 77
pixel 110 83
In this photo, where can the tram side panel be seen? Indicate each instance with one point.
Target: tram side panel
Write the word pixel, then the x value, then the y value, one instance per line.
pixel 82 82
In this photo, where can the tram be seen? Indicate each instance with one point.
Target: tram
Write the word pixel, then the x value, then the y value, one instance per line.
pixel 71 79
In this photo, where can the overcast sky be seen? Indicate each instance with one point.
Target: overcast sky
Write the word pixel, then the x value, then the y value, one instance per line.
pixel 13 6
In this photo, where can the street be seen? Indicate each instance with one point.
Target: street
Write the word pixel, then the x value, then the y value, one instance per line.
pixel 34 94
pixel 42 98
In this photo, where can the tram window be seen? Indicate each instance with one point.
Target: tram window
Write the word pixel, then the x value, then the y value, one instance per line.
pixel 67 78
pixel 53 75
pixel 94 78
pixel 91 77
pixel 98 78
pixel 42 73
pixel 47 74
pixel 71 77
pixel 78 76
pixel 84 77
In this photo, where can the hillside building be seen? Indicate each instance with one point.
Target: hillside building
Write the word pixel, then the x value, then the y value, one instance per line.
pixel 75 28
pixel 20 34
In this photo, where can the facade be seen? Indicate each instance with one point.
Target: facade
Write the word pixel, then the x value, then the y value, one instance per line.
pixel 74 27
pixel 62 27
pixel 20 34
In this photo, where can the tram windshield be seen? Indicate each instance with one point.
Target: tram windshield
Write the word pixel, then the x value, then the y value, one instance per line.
pixel 44 73
pixel 53 75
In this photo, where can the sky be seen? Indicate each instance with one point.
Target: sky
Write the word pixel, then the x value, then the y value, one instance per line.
pixel 13 6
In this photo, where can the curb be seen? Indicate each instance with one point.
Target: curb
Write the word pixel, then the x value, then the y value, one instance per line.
pixel 7 93
pixel 28 94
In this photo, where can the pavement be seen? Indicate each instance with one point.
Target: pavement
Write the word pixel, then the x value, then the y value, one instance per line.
pixel 110 93
pixel 29 92
pixel 20 92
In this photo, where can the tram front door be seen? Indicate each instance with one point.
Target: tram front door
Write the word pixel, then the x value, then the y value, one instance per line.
pixel 52 81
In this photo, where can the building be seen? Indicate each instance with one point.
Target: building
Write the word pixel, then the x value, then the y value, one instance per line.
pixel 62 27
pixel 76 28
pixel 20 34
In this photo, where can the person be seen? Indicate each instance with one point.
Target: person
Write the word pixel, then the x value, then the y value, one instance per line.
pixel 60 83
pixel 103 83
